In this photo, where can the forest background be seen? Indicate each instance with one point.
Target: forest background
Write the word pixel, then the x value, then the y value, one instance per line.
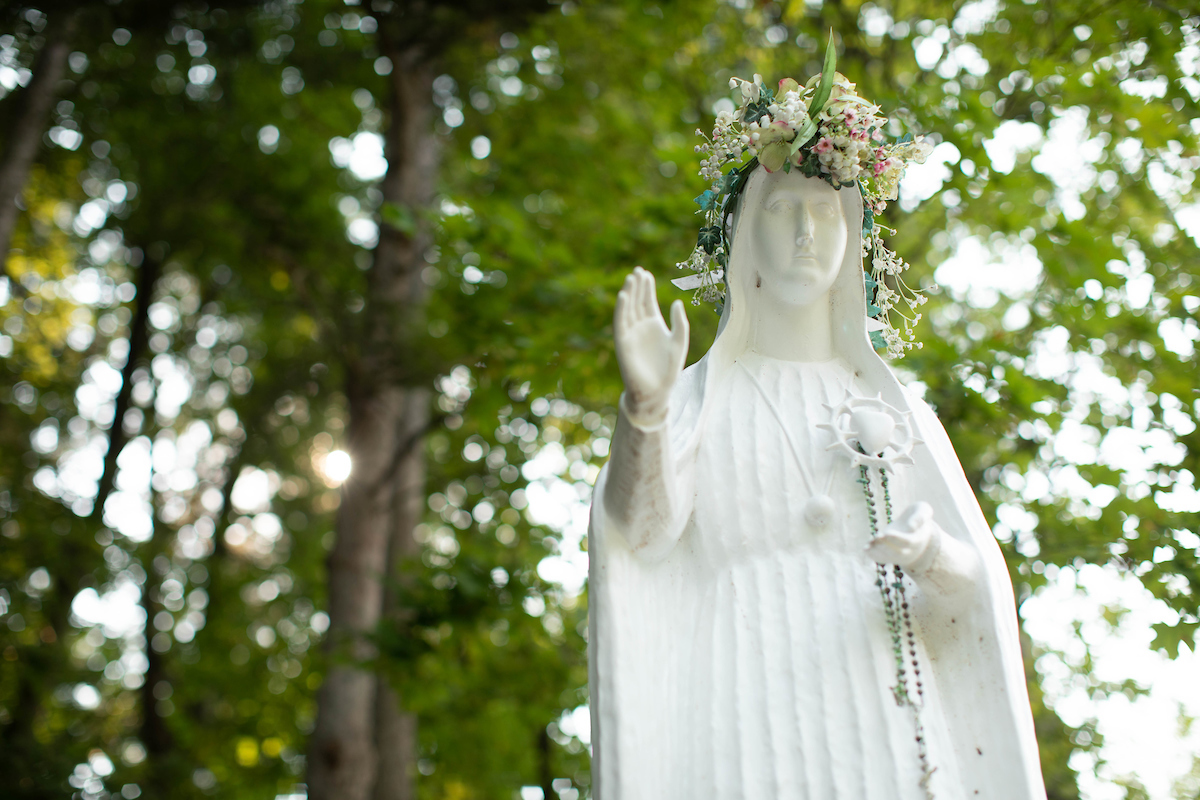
pixel 307 366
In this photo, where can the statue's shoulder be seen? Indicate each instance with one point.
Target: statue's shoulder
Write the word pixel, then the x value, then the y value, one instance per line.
pixel 929 426
pixel 695 370
pixel 917 402
pixel 691 381
pixel 687 399
pixel 919 406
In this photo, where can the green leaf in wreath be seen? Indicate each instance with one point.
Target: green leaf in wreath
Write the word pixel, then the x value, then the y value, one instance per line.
pixel 804 135
pixel 709 238
pixel 826 86
pixel 707 201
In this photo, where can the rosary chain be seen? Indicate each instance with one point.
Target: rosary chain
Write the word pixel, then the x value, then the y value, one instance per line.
pixel 899 621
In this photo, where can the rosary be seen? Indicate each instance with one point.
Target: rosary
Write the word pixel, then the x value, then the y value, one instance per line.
pixel 872 424
pixel 895 607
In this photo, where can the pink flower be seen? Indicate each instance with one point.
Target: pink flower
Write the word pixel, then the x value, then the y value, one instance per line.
pixel 877 135
pixel 850 115
pixel 880 167
pixel 824 146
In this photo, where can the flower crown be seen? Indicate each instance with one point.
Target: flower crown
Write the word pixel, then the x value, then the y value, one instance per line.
pixel 827 131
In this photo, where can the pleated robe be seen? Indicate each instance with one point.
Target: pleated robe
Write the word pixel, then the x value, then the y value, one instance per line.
pixel 787 676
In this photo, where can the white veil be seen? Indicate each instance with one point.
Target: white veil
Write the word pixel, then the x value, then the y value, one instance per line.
pixel 638 610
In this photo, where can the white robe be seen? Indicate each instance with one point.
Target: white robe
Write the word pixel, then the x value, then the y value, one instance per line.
pixel 784 669
pixel 736 655
pixel 790 629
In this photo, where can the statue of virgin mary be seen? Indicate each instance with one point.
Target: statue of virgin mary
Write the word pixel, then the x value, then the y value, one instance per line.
pixel 793 592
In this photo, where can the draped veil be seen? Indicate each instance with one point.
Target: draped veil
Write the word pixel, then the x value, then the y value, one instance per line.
pixel 639 608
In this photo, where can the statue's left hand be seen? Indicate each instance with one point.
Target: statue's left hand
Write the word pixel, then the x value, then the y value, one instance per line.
pixel 908 540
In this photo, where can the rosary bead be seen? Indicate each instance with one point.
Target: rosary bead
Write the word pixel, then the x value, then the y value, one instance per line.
pixel 895 608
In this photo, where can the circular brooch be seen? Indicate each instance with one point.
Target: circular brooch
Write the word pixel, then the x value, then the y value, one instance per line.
pixel 871 432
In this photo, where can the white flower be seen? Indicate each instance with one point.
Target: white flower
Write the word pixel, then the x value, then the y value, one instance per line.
pixel 915 151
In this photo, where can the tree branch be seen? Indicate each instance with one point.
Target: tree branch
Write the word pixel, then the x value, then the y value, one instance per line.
pixel 26 134
pixel 402 452
pixel 153 731
pixel 139 335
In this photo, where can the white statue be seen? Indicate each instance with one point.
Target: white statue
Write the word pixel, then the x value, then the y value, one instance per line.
pixel 751 635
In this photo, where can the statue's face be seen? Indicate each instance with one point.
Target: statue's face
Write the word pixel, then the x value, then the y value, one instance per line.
pixel 800 232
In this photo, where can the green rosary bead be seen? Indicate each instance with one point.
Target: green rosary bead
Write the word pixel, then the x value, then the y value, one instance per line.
pixel 896 613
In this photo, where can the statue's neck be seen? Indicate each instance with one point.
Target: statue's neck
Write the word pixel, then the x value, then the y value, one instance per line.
pixel 792 333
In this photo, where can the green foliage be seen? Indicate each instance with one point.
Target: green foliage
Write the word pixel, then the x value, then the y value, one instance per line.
pixel 826 84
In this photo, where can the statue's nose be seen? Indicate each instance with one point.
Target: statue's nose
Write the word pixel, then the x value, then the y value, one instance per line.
pixel 804 230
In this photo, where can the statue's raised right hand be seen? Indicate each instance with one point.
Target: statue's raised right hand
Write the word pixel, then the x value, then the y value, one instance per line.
pixel 650 356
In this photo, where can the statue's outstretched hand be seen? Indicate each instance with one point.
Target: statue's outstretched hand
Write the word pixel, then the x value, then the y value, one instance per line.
pixel 650 356
pixel 909 541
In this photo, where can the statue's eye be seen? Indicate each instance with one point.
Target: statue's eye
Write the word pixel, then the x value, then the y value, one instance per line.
pixel 824 210
pixel 779 207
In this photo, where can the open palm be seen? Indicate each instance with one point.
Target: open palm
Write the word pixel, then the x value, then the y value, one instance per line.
pixel 650 356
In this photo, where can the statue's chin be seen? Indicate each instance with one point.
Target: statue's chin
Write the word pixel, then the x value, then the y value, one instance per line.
pixel 799 292
pixel 797 282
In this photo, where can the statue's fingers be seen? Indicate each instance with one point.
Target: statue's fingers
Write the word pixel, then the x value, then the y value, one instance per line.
pixel 621 312
pixel 897 538
pixel 879 552
pixel 915 516
pixel 679 327
pixel 635 295
pixel 632 292
pixel 889 548
pixel 649 300
pixel 900 540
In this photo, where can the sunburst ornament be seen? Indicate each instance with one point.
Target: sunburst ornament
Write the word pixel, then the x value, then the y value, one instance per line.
pixel 871 432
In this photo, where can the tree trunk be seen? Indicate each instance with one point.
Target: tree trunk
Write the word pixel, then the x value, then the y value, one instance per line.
pixel 396 730
pixel 153 731
pixel 545 773
pixel 139 336
pixel 364 747
pixel 30 123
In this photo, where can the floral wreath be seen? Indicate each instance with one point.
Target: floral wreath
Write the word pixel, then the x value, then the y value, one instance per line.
pixel 827 131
